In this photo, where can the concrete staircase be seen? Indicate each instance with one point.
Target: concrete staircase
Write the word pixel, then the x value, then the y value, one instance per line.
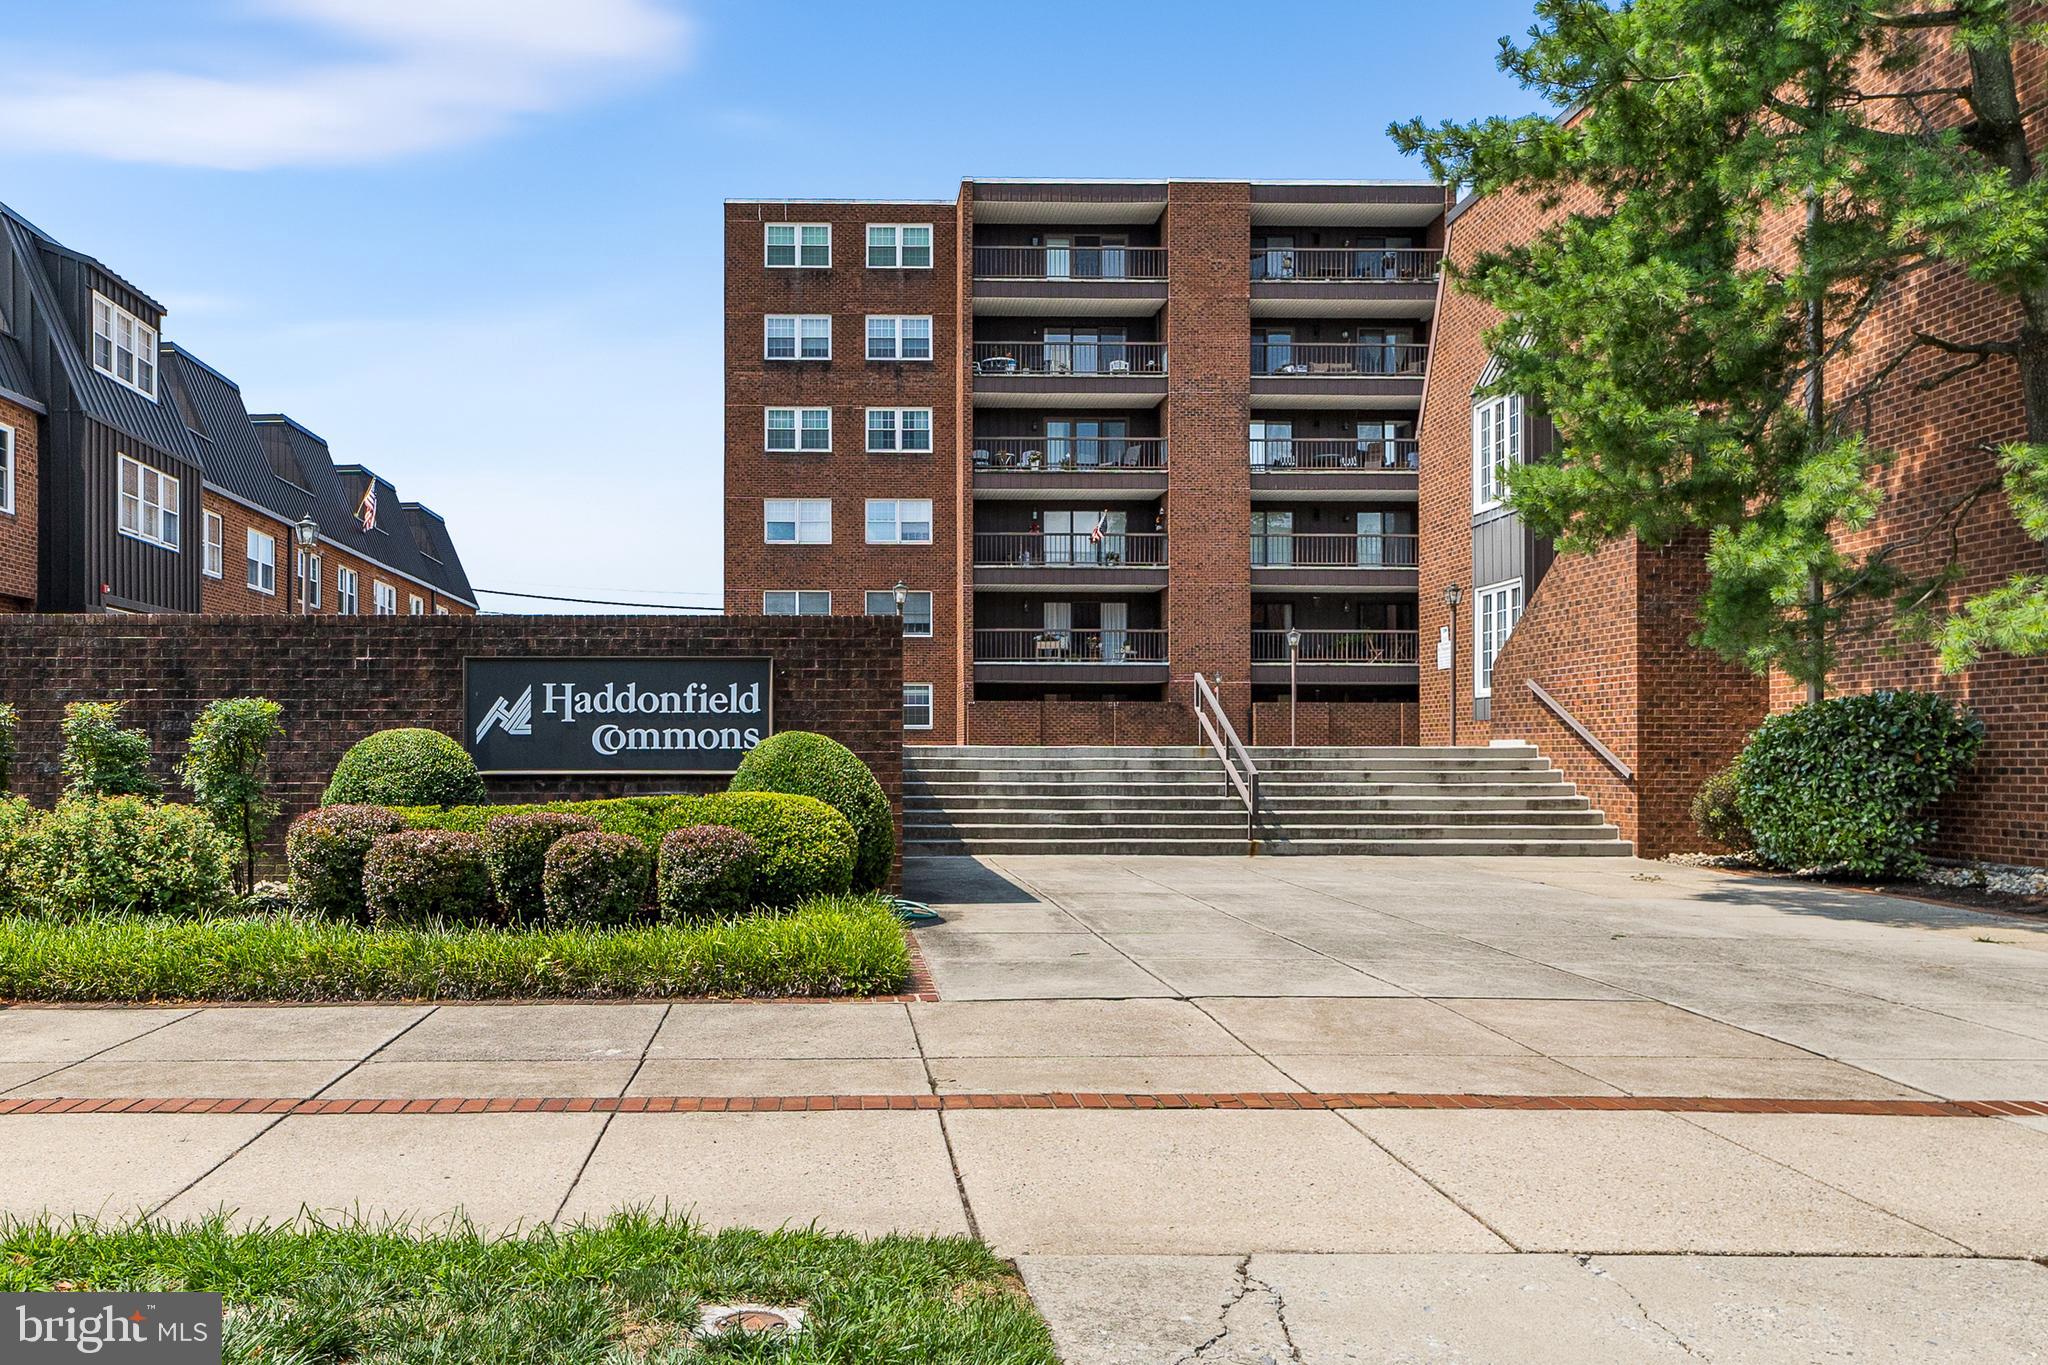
pixel 995 799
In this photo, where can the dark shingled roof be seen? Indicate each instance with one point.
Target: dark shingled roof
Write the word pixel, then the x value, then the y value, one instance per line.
pixel 15 381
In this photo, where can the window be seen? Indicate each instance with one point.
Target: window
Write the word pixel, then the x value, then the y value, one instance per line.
pixel 899 338
pixel 215 558
pixel 6 469
pixel 309 580
pixel 415 604
pixel 1496 447
pixel 794 603
pixel 797 521
pixel 149 504
pixel 262 562
pixel 800 429
pixel 385 597
pixel 894 429
pixel 123 346
pixel 791 245
pixel 917 706
pixel 899 246
pixel 347 592
pixel 917 609
pixel 899 521
pixel 1493 620
pixel 441 610
pixel 798 337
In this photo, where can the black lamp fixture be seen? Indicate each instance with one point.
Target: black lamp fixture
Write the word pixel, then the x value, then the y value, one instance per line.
pixel 306 535
pixel 1453 594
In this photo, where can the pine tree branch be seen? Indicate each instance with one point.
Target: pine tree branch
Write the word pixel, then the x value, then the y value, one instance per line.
pixel 1976 348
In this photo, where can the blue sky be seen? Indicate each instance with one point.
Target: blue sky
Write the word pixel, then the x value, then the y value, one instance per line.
pixel 476 243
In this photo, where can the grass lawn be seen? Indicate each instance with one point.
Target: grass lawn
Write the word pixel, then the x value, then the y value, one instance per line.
pixel 836 945
pixel 627 1290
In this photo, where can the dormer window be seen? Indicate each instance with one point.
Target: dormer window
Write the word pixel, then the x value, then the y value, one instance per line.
pixel 123 346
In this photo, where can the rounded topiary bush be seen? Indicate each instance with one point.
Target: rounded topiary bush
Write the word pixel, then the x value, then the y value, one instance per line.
pixel 594 878
pixel 1851 782
pixel 416 875
pixel 111 854
pixel 707 870
pixel 1715 812
pixel 324 851
pixel 516 850
pixel 405 768
pixel 800 763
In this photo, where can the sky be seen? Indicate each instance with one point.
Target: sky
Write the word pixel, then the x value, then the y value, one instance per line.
pixel 476 244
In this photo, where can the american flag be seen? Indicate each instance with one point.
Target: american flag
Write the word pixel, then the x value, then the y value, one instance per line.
pixel 366 510
pixel 1095 536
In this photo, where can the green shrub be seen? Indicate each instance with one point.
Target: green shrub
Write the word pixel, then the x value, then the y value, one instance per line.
pixel 324 852
pixel 114 854
pixel 101 758
pixel 807 848
pixel 405 768
pixel 9 720
pixel 799 763
pixel 707 870
pixel 227 769
pixel 15 818
pixel 1851 782
pixel 1715 812
pixel 595 878
pixel 415 876
pixel 516 850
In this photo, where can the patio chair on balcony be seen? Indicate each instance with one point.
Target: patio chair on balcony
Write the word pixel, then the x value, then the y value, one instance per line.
pixel 996 364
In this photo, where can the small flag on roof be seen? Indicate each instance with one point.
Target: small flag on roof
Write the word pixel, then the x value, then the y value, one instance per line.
pixel 366 510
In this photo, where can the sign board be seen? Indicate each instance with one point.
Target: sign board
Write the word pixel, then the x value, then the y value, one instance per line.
pixel 615 716
pixel 1443 649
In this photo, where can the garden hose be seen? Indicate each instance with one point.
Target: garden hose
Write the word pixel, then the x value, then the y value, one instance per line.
pixel 914 912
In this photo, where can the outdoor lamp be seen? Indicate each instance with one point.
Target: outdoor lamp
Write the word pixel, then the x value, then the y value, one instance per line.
pixel 1293 639
pixel 902 591
pixel 307 532
pixel 1453 594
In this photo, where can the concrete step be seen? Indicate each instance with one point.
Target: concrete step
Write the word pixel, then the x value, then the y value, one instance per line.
pixel 1207 761
pixel 1066 817
pixel 1060 753
pixel 977 832
pixel 1216 785
pixel 1123 801
pixel 1611 847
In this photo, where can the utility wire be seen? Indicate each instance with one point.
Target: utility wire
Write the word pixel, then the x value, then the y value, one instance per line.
pixel 601 602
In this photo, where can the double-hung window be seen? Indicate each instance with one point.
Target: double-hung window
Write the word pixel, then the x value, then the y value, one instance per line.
pixel 899 429
pixel 917 706
pixel 793 245
pixel 348 591
pixel 1496 448
pixel 1493 620
pixel 262 559
pixel 415 605
pixel 149 504
pixel 899 521
pixel 792 336
pixel 806 429
pixel 899 338
pixel 6 469
pixel 213 563
pixel 309 579
pixel 795 602
pixel 899 246
pixel 796 521
pixel 123 346
pixel 385 597
pixel 917 609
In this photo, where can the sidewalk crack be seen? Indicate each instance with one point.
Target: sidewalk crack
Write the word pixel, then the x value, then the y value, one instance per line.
pixel 1585 1263
pixel 1245 1288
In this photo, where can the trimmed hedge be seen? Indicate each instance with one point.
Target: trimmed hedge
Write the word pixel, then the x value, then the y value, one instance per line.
pixel 405 768
pixel 15 818
pixel 597 878
pixel 516 851
pixel 118 854
pixel 324 851
pixel 799 763
pixel 414 876
pixel 706 870
pixel 1716 814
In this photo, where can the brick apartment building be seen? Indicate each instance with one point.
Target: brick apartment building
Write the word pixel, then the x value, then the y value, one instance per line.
pixel 133 478
pixel 1103 435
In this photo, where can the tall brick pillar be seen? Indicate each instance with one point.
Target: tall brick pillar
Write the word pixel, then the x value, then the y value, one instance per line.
pixel 1208 410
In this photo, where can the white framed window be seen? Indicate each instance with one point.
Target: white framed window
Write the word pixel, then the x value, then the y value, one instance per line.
pixel 797 336
pixel 385 598
pixel 805 429
pixel 899 521
pixel 917 706
pixel 917 609
pixel 213 562
pixel 123 346
pixel 795 602
pixel 898 337
pixel 262 560
pixel 309 580
pixel 1496 448
pixel 899 429
pixel 442 611
pixel 1494 615
pixel 348 591
pixel 415 604
pixel 792 246
pixel 6 469
pixel 796 521
pixel 149 504
pixel 899 246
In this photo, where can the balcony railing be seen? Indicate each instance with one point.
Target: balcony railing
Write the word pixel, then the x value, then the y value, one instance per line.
pixel 1070 454
pixel 1339 359
pixel 1035 646
pixel 1326 550
pixel 1372 265
pixel 1084 359
pixel 1068 549
pixel 1308 454
pixel 1336 647
pixel 1070 263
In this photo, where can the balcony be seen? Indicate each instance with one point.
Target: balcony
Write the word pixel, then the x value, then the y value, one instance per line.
pixel 1334 560
pixel 1026 560
pixel 1032 655
pixel 1070 281
pixel 1116 468
pixel 1344 281
pixel 1069 373
pixel 1289 466
pixel 1336 656
pixel 1323 374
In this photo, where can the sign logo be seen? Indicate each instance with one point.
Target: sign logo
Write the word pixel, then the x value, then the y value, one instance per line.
pixel 166 1329
pixel 616 716
pixel 515 718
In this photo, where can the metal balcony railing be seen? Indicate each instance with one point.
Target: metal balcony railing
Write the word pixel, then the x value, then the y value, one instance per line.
pixel 1325 550
pixel 1336 647
pixel 1083 359
pixel 1069 454
pixel 1298 454
pixel 1338 359
pixel 1035 646
pixel 1070 263
pixel 1370 265
pixel 1067 549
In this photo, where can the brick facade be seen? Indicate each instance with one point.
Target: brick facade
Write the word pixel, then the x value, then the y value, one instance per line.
pixel 18 527
pixel 231 595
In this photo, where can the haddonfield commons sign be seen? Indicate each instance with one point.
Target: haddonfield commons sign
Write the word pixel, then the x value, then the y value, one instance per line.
pixel 616 716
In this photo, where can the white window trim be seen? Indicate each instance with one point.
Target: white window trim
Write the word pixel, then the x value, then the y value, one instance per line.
pixel 415 605
pixel 213 545
pixel 1485 462
pixel 252 564
pixel 896 321
pixel 799 594
pixel 796 518
pixel 931 704
pixel 797 337
pixel 868 432
pixel 309 579
pixel 381 592
pixel 798 263
pixel 164 481
pixel 797 430
pixel 7 469
pixel 348 591
pixel 930 614
pixel 115 312
pixel 896 520
pixel 931 246
pixel 1481 665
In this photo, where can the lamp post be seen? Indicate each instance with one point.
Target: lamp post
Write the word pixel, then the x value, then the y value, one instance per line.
pixel 1454 594
pixel 307 534
pixel 1293 692
pixel 902 591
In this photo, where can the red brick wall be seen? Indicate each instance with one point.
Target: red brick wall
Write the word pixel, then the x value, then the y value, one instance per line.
pixel 18 532
pixel 1067 720
pixel 1335 722
pixel 231 594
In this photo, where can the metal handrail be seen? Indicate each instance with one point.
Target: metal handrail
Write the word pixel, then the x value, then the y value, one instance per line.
pixel 1077 359
pixel 1070 549
pixel 1336 646
pixel 1112 646
pixel 1299 454
pixel 1226 744
pixel 1578 727
pixel 1333 550
pixel 1114 261
pixel 1338 359
pixel 1068 454
pixel 1370 264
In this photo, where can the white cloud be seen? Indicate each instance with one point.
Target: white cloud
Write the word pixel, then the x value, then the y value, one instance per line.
pixel 430 74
